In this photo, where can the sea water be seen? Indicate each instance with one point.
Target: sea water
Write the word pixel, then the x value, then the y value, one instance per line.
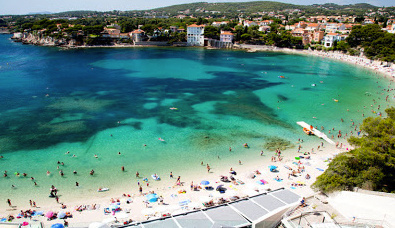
pixel 160 110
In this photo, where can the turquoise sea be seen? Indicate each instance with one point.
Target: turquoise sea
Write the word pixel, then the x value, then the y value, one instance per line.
pixel 103 101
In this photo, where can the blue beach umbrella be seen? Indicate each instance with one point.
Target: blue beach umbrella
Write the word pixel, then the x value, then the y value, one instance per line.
pixel 57 225
pixel 152 198
pixel 61 214
pixel 205 182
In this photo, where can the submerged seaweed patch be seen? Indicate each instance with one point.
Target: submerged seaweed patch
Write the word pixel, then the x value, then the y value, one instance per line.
pixel 274 143
pixel 75 114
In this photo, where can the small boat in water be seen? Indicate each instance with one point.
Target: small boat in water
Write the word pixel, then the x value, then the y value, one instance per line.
pixel 103 189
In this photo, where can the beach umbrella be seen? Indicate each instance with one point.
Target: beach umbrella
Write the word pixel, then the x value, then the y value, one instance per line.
pixel 57 225
pixel 152 197
pixel 219 187
pixel 205 182
pixel 61 214
pixel 98 225
pixel 49 214
pixel 25 223
pixel 272 168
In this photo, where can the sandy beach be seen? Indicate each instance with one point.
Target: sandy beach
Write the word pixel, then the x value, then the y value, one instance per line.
pixel 182 198
pixel 252 176
pixel 374 65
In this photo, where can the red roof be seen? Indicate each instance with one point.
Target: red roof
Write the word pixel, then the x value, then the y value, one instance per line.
pixel 226 33
pixel 138 31
pixel 195 25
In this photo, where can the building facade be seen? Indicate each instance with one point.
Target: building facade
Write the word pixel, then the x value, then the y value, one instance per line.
pixel 226 36
pixel 195 35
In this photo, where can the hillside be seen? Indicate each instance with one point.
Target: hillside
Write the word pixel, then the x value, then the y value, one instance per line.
pixel 262 6
pixel 234 7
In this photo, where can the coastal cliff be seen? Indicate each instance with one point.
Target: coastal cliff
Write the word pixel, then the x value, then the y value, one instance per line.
pixel 39 39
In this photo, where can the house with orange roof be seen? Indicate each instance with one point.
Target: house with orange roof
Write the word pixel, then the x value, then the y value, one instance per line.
pixel 226 36
pixel 390 28
pixel 368 21
pixel 298 32
pixel 266 22
pixel 333 27
pixel 195 35
pixel 313 26
pixel 249 23
pixel 137 35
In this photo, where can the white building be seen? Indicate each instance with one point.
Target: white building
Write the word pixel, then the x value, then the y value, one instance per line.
pixel 226 36
pixel 195 35
pixel 333 27
pixel 330 38
pixel 219 23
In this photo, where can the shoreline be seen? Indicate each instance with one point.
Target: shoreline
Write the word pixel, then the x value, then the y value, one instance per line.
pixel 361 61
pixel 172 197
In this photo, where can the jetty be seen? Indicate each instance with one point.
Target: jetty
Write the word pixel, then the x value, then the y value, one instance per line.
pixel 316 132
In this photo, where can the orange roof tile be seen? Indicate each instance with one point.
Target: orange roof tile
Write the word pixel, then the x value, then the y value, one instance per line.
pixel 226 33
pixel 195 25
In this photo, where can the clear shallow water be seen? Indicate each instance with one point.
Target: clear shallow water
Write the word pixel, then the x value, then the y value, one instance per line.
pixel 53 101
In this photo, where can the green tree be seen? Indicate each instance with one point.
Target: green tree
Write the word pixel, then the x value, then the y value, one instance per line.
pixel 211 32
pixel 371 165
pixel 246 37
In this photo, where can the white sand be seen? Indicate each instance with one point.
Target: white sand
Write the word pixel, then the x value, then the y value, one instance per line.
pixel 172 197
pixel 376 66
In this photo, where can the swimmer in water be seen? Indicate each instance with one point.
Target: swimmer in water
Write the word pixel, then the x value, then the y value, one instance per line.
pixel 48 173
pixel 96 156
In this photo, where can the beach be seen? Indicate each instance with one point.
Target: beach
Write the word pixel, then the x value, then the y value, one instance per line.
pixel 156 111
pixel 380 67
pixel 135 207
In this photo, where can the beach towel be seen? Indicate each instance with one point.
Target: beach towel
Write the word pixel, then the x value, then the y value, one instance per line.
pixel 278 180
pixel 264 182
pixel 320 169
pixel 293 187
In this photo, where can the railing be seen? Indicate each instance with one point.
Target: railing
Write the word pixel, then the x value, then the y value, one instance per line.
pixel 380 222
